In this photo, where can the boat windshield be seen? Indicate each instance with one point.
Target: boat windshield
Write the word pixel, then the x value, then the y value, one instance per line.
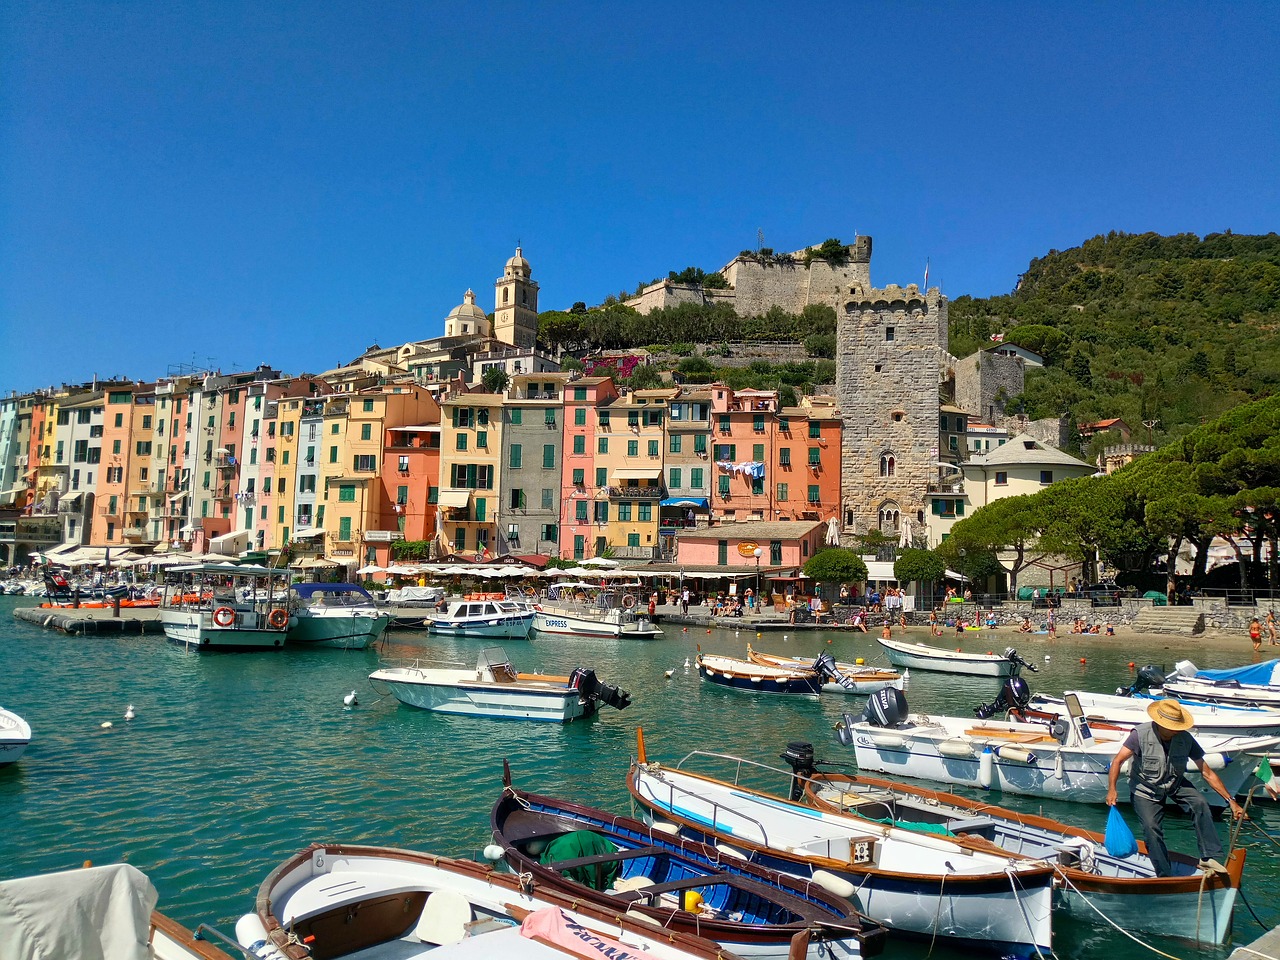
pixel 495 661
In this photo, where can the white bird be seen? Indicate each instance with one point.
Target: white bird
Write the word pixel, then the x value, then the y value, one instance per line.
pixel 350 699
pixel 687 664
pixel 668 673
pixel 128 712
pixel 1047 658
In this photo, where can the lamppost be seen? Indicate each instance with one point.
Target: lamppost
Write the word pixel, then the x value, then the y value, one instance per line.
pixel 757 553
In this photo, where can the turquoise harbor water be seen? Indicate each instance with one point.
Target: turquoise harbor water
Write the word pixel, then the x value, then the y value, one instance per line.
pixel 236 761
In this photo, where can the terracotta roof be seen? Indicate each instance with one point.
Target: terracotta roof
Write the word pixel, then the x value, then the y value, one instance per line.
pixel 753 530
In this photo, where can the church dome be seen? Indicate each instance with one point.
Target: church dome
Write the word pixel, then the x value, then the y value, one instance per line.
pixel 466 318
pixel 517 265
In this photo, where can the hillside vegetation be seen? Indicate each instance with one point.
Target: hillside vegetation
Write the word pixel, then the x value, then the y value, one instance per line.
pixel 1140 326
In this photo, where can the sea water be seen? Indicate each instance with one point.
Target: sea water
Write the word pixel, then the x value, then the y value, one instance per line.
pixel 236 761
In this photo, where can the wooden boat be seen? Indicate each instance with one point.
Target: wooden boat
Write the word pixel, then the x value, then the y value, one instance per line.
pixel 333 902
pixel 1067 761
pixel 862 679
pixel 757 678
pixel 752 911
pixel 341 615
pixel 495 689
pixel 103 912
pixel 485 619
pixel 1256 685
pixel 236 615
pixel 917 885
pixel 922 656
pixel 1191 904
pixel 15 736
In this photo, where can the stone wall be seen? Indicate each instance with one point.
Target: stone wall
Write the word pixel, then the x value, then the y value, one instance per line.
pixel 889 350
pixel 984 381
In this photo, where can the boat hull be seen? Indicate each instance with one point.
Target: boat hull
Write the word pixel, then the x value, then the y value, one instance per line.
pixel 195 630
pixel 863 680
pixel 488 628
pixel 1244 695
pixel 558 622
pixel 552 702
pixel 344 632
pixel 920 656
pixel 750 678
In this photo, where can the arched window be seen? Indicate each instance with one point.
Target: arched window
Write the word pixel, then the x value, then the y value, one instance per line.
pixel 887 465
pixel 888 517
pixel 506 294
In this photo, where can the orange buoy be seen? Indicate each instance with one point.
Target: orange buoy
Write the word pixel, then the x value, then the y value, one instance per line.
pixel 1082 659
pixel 957 649
pixel 1130 664
pixel 708 629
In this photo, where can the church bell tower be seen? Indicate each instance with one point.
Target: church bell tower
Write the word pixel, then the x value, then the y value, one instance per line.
pixel 515 310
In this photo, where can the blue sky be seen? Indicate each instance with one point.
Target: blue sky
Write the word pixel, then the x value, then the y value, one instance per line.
pixel 234 183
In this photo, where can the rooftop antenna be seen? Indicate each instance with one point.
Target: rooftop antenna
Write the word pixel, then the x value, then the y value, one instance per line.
pixel 759 239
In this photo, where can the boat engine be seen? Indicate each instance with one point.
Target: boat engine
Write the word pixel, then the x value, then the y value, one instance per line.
pixel 589 688
pixel 799 757
pixel 1147 677
pixel 825 666
pixel 1014 695
pixel 1011 655
pixel 886 708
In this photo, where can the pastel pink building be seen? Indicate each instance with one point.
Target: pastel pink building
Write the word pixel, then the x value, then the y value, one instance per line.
pixel 782 543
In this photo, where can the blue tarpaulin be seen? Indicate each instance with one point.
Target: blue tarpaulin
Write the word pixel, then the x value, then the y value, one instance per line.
pixel 700 502
pixel 1260 674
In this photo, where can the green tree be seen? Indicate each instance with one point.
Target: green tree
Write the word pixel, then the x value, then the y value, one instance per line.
pixel 919 566
pixel 495 380
pixel 644 377
pixel 836 565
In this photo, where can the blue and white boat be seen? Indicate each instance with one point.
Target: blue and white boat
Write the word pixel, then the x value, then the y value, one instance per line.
pixel 483 619
pixel 1255 685
pixel 341 615
pixel 758 677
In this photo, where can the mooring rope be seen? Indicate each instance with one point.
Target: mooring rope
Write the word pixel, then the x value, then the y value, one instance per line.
pixel 1112 923
pixel 1013 885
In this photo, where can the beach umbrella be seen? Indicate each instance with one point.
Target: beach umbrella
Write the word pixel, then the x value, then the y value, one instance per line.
pixel 599 562
pixel 372 568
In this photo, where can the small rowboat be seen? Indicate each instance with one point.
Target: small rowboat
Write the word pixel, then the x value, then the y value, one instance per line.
pixel 615 862
pixel 863 679
pixel 758 678
pixel 922 656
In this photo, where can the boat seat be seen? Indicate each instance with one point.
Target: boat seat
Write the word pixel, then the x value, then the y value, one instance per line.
pixel 971 825
pixel 444 918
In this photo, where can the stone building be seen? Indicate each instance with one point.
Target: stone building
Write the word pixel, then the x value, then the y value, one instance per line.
pixel 515 311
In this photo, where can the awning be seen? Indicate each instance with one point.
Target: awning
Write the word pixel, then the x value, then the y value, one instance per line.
pixel 308 534
pixel 230 543
pixel 638 473
pixel 71 497
pixel 878 570
pixel 700 502
pixel 454 498
pixel 12 493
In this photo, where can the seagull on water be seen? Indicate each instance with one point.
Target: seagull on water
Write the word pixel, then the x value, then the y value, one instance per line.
pixel 128 712
pixel 350 700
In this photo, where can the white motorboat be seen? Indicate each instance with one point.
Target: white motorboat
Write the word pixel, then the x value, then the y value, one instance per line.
pixel 495 689
pixel 345 901
pixel 924 885
pixel 1062 761
pixel 222 606
pixel 923 656
pixel 582 610
pixel 1127 712
pixel 1191 904
pixel 341 615
pixel 104 912
pixel 861 679
pixel 483 619
pixel 15 735
pixel 1257 685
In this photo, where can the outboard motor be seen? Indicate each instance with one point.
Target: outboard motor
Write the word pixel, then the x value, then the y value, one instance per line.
pixel 825 667
pixel 592 690
pixel 1147 677
pixel 886 708
pixel 1011 655
pixel 799 757
pixel 1014 695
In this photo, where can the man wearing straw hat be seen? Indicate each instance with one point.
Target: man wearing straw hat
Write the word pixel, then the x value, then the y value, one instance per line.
pixel 1160 751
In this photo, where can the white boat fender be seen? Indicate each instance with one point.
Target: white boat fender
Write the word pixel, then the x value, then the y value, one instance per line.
pixel 830 882
pixel 1214 761
pixel 729 851
pixel 670 829
pixel 887 741
pixel 986 767
pixel 493 852
pixel 1009 751
pixel 252 936
pixel 955 748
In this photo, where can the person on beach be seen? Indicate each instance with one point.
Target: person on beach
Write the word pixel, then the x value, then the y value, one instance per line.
pixel 1255 633
pixel 1025 625
pixel 1053 626
pixel 859 622
pixel 684 602
pixel 934 629
pixel 1161 750
pixel 1271 628
pixel 1111 629
pixel 887 632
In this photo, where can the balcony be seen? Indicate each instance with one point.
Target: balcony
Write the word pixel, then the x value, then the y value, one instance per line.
pixel 382 536
pixel 636 553
pixel 946 486
pixel 636 493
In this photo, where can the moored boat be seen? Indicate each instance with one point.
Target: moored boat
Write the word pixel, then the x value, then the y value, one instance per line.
pixel 862 679
pixel 495 689
pixel 923 656
pixel 341 615
pixel 613 861
pixel 1255 685
pixel 15 737
pixel 751 677
pixel 1191 904
pixel 600 613
pixel 334 902
pixel 215 606
pixel 917 885
pixel 1127 713
pixel 486 619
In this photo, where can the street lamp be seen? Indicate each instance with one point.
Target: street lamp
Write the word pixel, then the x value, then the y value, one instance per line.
pixel 757 553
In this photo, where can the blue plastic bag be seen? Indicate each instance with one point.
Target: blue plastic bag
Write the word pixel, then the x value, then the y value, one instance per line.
pixel 1120 841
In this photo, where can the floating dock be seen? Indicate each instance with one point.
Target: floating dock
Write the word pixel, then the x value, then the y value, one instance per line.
pixel 93 620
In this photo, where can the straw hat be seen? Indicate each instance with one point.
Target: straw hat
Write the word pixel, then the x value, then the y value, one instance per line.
pixel 1170 714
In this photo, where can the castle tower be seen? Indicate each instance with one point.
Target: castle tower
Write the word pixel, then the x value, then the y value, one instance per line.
pixel 466 319
pixel 515 311
pixel 890 349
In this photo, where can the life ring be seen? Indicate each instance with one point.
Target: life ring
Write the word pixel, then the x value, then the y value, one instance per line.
pixel 628 601
pixel 224 616
pixel 278 618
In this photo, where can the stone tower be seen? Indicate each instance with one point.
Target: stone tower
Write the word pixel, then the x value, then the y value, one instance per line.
pixel 515 311
pixel 890 351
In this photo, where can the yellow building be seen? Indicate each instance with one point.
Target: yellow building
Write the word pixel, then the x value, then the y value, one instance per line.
pixel 632 452
pixel 470 461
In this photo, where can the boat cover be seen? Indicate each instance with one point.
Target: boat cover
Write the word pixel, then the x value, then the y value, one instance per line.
pixel 550 925
pixel 584 843
pixel 1263 674
pixel 99 913
pixel 307 590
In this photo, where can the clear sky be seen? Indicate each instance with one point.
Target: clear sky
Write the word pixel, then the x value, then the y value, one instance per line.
pixel 233 183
